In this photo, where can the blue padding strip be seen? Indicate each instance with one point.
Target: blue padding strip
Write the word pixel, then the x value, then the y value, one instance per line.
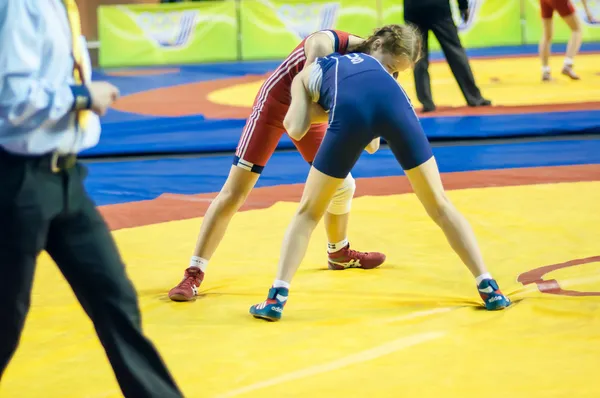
pixel 127 181
pixel 196 134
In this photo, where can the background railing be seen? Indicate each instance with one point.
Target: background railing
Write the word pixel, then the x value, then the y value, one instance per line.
pixel 235 30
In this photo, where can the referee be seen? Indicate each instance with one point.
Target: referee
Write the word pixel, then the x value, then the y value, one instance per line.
pixel 48 113
pixel 435 15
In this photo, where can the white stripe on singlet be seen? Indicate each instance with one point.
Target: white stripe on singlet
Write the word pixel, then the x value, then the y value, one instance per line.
pixel 293 59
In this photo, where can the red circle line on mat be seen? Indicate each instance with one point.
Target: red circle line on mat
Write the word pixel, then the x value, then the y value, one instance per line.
pixel 192 99
pixel 186 100
pixel 551 286
pixel 170 207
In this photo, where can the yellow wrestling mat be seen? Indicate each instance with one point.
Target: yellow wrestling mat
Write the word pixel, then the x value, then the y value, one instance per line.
pixel 412 328
pixel 507 81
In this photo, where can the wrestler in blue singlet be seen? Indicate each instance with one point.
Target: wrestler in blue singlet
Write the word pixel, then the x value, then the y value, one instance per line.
pixel 364 102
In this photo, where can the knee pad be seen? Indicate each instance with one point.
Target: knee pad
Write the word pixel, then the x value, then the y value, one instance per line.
pixel 342 200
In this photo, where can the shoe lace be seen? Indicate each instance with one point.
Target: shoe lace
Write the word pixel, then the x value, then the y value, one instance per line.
pixel 356 254
pixel 190 279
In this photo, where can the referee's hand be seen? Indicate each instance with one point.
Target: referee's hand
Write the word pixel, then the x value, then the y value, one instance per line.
pixel 465 14
pixel 103 95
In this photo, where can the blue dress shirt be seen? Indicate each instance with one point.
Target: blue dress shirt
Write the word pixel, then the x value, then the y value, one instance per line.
pixel 37 111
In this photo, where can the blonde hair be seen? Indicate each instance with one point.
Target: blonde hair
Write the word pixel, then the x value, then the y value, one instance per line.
pixel 401 40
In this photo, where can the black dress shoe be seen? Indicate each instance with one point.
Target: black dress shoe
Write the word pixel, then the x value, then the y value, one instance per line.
pixel 428 108
pixel 482 102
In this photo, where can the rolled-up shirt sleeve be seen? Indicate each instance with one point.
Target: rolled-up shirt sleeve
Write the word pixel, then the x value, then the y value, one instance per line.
pixel 26 100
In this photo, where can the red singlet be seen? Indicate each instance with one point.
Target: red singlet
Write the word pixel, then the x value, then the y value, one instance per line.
pixel 264 127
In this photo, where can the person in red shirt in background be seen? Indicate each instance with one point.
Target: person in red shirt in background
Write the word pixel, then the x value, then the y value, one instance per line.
pixel 565 9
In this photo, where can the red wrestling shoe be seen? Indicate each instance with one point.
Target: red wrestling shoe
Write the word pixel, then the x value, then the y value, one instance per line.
pixel 568 71
pixel 348 258
pixel 187 289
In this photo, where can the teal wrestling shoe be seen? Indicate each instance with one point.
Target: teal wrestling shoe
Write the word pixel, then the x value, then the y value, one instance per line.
pixel 272 308
pixel 492 296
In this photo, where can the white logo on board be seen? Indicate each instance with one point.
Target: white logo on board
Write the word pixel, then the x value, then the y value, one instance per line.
pixel 307 18
pixel 168 29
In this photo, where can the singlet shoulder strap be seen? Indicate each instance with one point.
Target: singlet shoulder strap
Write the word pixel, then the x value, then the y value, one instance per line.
pixel 335 38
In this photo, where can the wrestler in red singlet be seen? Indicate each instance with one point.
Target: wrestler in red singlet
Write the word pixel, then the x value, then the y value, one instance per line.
pixel 259 140
pixel 264 127
pixel 565 9
pixel 562 7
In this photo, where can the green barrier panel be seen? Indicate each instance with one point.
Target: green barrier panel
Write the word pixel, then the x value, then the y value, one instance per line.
pixel 271 28
pixel 533 22
pixel 196 32
pixel 492 22
pixel 163 34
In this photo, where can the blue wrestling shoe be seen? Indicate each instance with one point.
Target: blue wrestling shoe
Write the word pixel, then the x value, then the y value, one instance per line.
pixel 272 307
pixel 492 296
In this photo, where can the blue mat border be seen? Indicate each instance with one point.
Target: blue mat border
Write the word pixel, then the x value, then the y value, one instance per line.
pixel 134 180
pixel 195 134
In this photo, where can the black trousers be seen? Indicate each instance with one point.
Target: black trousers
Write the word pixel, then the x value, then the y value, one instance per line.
pixel 445 31
pixel 42 210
